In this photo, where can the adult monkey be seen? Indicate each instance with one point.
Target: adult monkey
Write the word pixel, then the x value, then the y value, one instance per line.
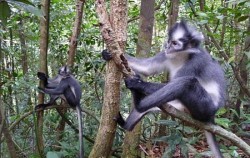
pixel 196 85
pixel 65 86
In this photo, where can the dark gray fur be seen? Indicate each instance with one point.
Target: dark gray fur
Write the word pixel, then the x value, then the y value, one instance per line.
pixel 196 80
pixel 65 86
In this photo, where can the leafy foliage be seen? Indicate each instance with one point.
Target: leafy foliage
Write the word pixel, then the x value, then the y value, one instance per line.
pixel 228 22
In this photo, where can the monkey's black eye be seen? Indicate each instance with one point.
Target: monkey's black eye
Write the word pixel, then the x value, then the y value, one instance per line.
pixel 174 43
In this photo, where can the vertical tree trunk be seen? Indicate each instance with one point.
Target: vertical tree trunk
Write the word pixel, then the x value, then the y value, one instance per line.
pixel 76 31
pixel 242 59
pixel 107 128
pixel 6 132
pixel 44 36
pixel 23 47
pixel 172 18
pixel 143 48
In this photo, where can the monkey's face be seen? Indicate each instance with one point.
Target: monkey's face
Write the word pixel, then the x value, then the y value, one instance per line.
pixel 64 71
pixel 182 38
pixel 176 41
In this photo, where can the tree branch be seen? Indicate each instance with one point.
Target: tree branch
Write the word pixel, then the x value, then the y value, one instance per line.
pixel 110 39
pixel 208 127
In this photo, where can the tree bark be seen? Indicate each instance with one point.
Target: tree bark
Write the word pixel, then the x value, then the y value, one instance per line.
pixel 44 36
pixel 115 38
pixel 143 48
pixel 6 132
pixel 76 31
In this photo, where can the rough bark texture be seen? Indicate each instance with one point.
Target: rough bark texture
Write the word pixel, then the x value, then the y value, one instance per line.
pixel 76 32
pixel 23 47
pixel 6 132
pixel 173 13
pixel 9 141
pixel 146 25
pixel 143 48
pixel 115 38
pixel 44 36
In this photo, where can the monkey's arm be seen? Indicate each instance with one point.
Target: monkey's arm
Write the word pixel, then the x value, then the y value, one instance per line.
pixel 49 83
pixel 63 85
pixel 148 66
pixel 144 66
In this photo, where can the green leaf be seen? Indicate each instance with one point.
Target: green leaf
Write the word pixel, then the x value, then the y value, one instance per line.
pixel 27 7
pixel 4 11
pixel 202 14
pixel 52 154
pixel 220 17
pixel 231 59
pixel 223 122
pixel 242 18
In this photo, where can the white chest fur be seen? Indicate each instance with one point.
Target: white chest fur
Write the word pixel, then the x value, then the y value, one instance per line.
pixel 213 90
pixel 175 63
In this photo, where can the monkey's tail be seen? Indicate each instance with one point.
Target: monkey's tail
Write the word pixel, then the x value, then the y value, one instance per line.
pixel 80 125
pixel 214 146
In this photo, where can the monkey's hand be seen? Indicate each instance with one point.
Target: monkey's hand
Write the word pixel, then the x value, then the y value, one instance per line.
pixel 42 76
pixel 133 82
pixel 106 55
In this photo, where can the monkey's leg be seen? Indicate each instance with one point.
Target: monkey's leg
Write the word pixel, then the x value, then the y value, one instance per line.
pixel 140 86
pixel 51 102
pixel 139 90
pixel 188 91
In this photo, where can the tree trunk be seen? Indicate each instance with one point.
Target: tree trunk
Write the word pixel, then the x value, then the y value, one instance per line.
pixel 75 32
pixel 44 33
pixel 107 127
pixel 6 132
pixel 143 48
pixel 241 60
pixel 24 58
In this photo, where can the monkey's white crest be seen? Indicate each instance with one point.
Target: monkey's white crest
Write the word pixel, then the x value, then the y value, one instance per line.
pixel 178 33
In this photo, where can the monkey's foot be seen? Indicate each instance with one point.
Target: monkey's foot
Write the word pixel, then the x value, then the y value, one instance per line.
pixel 119 119
pixel 133 82
pixel 40 107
